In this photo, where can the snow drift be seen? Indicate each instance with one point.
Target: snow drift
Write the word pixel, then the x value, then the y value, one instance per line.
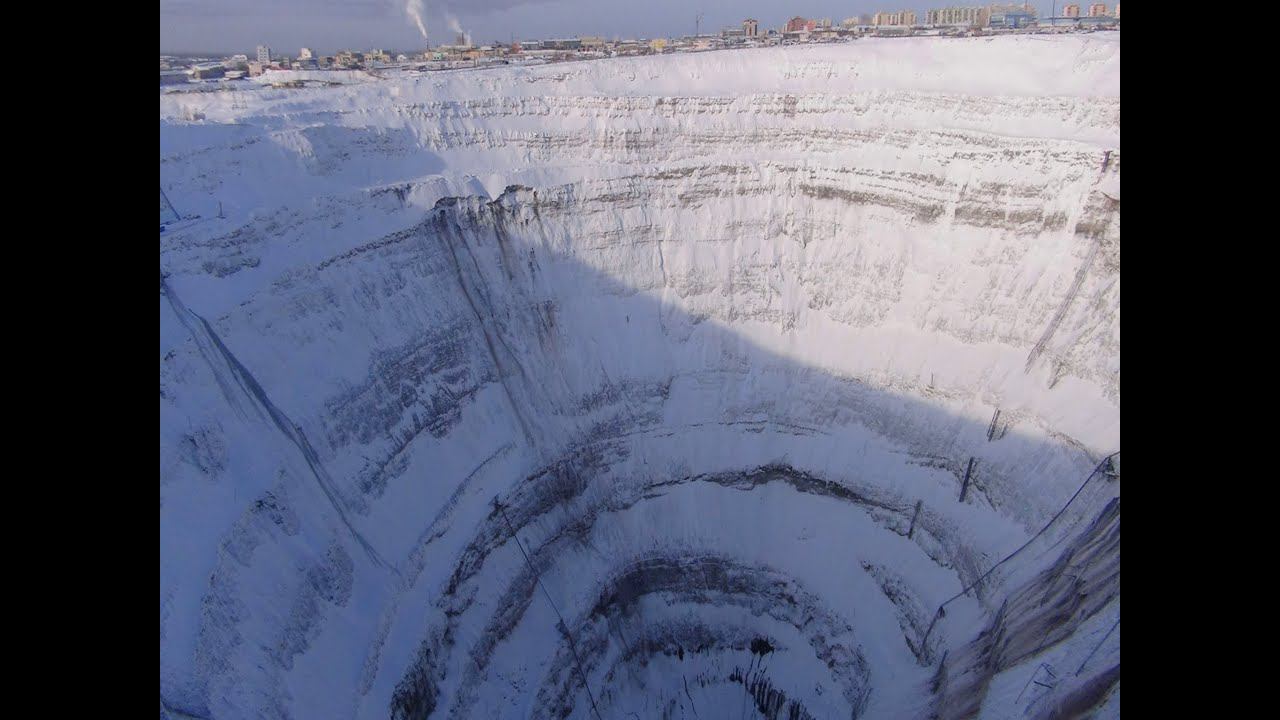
pixel 646 387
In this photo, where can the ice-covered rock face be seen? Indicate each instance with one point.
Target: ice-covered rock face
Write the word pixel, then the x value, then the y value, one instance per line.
pixel 645 387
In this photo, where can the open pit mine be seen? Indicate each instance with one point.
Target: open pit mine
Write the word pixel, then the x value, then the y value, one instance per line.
pixel 778 383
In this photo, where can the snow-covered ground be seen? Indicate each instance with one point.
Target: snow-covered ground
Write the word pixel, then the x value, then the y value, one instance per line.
pixel 719 332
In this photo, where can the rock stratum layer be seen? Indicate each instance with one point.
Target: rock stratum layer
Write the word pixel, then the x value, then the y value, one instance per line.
pixel 646 388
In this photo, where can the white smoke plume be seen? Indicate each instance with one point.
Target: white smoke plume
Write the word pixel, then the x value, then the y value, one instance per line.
pixel 456 26
pixel 417 10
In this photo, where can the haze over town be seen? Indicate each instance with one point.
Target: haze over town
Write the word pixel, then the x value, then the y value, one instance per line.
pixel 230 26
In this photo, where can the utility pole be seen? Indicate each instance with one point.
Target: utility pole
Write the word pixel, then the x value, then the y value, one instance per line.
pixel 697 25
pixel 964 489
pixel 912 530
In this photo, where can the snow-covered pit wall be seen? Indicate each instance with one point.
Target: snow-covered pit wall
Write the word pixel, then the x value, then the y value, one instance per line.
pixel 646 387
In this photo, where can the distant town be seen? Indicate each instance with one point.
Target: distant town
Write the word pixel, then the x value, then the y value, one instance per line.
pixel 945 22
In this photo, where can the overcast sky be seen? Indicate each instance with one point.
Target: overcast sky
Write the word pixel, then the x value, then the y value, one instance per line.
pixel 330 25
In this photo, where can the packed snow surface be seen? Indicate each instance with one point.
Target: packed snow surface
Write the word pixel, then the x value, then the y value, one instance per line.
pixel 646 387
